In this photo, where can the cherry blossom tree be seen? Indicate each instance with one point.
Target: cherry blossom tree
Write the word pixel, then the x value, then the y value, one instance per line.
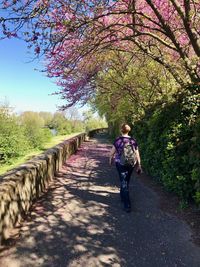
pixel 76 36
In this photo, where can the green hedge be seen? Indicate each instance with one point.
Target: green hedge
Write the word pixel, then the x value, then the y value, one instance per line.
pixel 169 138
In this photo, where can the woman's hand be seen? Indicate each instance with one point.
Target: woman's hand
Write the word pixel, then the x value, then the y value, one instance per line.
pixel 139 169
pixel 112 153
pixel 110 161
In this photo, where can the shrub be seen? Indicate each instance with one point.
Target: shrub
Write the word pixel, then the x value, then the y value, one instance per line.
pixel 169 138
pixel 13 142
pixel 35 132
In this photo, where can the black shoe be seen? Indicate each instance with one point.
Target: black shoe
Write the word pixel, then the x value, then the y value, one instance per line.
pixel 127 209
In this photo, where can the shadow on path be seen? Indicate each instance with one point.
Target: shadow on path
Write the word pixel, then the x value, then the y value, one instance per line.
pixel 79 222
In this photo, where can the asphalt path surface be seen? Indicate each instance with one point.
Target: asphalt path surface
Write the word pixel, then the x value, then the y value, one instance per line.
pixel 80 222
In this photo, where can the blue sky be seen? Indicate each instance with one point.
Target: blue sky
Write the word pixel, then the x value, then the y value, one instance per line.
pixel 20 85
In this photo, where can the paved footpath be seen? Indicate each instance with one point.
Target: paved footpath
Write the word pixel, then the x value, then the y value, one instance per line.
pixel 79 222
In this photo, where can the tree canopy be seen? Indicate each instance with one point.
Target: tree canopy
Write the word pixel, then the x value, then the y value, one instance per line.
pixel 76 37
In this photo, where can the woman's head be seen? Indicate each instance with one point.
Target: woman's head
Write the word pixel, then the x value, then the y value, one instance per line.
pixel 125 128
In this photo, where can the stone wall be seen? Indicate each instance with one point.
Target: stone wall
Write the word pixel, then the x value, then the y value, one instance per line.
pixel 22 185
pixel 96 131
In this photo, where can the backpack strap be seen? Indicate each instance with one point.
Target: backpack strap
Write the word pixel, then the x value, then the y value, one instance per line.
pixel 122 142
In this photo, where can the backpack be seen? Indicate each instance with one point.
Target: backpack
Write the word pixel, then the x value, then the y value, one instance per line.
pixel 128 156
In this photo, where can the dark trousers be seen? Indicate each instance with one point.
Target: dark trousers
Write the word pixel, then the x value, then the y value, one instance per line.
pixel 124 176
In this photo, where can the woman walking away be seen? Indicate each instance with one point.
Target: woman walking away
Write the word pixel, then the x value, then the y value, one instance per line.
pixel 126 153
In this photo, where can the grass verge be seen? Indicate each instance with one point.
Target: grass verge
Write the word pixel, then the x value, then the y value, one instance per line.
pixel 16 162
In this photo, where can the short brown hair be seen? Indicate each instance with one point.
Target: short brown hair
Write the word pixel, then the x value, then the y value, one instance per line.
pixel 125 128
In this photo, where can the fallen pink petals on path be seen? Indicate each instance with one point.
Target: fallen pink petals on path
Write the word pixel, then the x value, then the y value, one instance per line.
pixel 79 222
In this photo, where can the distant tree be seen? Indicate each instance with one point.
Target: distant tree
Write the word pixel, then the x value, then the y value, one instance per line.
pixel 34 129
pixel 61 124
pixel 77 126
pixel 47 117
pixel 92 121
pixel 74 116
pixel 13 141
